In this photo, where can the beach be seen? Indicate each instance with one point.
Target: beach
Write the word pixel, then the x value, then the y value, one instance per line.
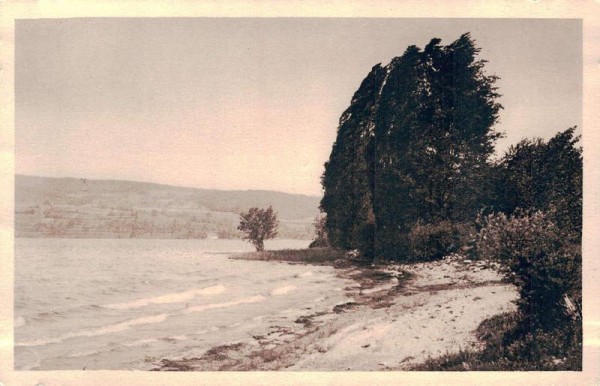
pixel 194 305
pixel 399 316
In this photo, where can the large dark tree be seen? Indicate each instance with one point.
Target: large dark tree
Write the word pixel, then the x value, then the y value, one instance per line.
pixel 347 177
pixel 394 200
pixel 413 146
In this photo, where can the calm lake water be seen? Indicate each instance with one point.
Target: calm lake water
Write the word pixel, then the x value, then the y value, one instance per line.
pixel 121 303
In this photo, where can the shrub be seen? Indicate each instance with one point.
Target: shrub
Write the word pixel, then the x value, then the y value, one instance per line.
pixel 432 241
pixel 538 175
pixel 543 264
pixel 321 239
pixel 319 243
pixel 392 244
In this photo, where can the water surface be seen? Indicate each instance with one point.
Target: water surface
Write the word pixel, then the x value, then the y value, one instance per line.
pixel 123 303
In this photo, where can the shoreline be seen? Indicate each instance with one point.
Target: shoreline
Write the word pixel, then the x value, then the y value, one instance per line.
pixel 398 316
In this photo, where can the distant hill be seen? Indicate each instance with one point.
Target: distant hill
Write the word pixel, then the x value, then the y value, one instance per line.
pixel 71 207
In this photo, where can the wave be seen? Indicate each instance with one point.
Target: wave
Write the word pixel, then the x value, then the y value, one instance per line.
pixel 175 297
pixel 117 327
pixel 122 326
pixel 140 342
pixel 84 354
pixel 283 290
pixel 212 306
pixel 147 341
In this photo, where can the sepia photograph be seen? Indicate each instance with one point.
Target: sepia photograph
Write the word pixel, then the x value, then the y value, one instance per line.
pixel 298 194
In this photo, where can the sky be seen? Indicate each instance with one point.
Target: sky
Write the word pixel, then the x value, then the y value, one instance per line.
pixel 229 103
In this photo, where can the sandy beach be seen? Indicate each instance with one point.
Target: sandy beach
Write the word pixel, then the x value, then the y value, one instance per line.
pixel 400 316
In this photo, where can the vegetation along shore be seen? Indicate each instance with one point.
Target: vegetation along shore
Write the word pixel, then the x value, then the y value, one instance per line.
pixel 462 261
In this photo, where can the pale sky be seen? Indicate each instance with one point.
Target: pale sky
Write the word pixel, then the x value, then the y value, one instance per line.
pixel 249 103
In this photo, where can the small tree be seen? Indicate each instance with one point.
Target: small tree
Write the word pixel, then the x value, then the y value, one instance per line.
pixel 259 225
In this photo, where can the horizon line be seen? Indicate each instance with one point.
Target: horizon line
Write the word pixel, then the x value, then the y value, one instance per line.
pixel 167 185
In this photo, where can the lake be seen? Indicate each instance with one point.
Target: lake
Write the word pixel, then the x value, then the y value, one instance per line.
pixel 123 303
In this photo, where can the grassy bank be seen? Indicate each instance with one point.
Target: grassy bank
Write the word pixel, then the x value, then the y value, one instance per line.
pixel 320 256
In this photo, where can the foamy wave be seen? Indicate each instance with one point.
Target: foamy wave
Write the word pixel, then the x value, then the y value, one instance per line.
pixel 176 297
pixel 117 327
pixel 307 274
pixel 205 307
pixel 283 290
pixel 83 354
pixel 122 326
pixel 140 342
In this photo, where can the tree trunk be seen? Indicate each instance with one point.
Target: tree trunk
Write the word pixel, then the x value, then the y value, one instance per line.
pixel 260 246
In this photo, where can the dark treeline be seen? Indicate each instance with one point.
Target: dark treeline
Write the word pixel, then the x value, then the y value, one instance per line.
pixel 413 147
pixel 411 178
pixel 412 159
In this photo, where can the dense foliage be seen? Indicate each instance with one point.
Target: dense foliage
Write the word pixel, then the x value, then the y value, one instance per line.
pixel 544 176
pixel 436 240
pixel 258 225
pixel 542 262
pixel 412 147
pixel 347 179
pixel 410 178
pixel 538 231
